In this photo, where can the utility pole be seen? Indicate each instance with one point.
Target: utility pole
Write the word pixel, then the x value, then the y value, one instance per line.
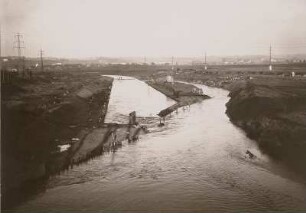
pixel 205 65
pixel 23 66
pixel 19 44
pixel 2 71
pixel 0 47
pixel 170 73
pixel 270 66
pixel 41 60
pixel 172 68
pixel 0 50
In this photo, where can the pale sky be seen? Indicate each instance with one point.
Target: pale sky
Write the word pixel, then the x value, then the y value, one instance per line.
pixel 89 28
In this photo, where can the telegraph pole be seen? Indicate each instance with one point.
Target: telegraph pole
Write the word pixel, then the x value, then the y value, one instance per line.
pixel 170 73
pixel 205 66
pixel 2 72
pixel 270 66
pixel 19 44
pixel 41 60
pixel 0 46
pixel 172 68
pixel 0 50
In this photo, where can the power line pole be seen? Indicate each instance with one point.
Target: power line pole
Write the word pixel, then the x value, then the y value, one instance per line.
pixel 19 44
pixel 0 45
pixel 41 60
pixel 205 66
pixel 2 71
pixel 270 65
pixel 170 73
pixel 0 50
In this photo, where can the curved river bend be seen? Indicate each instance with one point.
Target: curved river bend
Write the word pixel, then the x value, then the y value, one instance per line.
pixel 196 162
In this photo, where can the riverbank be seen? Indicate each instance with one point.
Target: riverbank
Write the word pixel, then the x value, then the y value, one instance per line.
pixel 197 156
pixel 183 94
pixel 52 122
pixel 40 114
pixel 273 112
pixel 269 108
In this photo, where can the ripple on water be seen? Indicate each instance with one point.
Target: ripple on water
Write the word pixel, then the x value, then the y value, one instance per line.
pixel 195 162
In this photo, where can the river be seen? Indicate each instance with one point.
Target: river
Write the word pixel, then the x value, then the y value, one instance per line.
pixel 196 162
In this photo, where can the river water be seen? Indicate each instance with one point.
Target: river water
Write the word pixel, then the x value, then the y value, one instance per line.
pixel 196 162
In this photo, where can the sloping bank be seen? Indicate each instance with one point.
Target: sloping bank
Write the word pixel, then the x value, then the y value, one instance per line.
pixel 273 112
pixel 183 94
pixel 42 117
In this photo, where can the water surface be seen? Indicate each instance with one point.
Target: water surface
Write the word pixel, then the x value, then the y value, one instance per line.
pixel 129 94
pixel 195 162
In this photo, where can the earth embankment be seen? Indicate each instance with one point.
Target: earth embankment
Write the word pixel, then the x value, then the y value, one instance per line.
pixel 273 112
pixel 40 114
pixel 184 94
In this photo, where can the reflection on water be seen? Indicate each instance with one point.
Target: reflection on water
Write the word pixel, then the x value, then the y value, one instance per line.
pixel 196 161
pixel 129 94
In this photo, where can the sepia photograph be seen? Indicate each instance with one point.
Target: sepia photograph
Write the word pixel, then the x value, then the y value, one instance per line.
pixel 153 106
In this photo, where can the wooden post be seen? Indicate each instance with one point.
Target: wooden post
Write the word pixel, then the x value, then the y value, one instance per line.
pixel 132 118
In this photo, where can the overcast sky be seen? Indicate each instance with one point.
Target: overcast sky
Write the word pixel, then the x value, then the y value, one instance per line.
pixel 85 28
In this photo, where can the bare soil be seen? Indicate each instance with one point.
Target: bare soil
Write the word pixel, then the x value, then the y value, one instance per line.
pixel 42 113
